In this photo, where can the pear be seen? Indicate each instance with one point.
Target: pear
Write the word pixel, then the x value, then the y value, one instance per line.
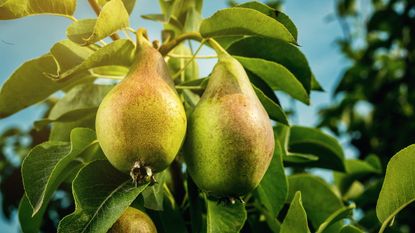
pixel 230 142
pixel 141 122
pixel 133 221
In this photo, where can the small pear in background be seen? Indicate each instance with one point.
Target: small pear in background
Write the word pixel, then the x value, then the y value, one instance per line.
pixel 133 221
pixel 141 123
pixel 230 141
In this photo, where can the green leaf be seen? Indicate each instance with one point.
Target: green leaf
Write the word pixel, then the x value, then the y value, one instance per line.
pixel 398 188
pixel 340 214
pixel 243 21
pixel 81 99
pixel 272 192
pixel 49 163
pixel 277 51
pixel 128 4
pixel 68 55
pixel 112 18
pixel 350 229
pixel 28 223
pixel 13 9
pixel 319 200
pixel 118 72
pixel 29 85
pixel 154 195
pixel 355 169
pixel 118 53
pixel 169 220
pixel 305 140
pixel 225 217
pixel 226 41
pixel 101 195
pixel 274 111
pixel 276 76
pixel 77 114
pixel 296 218
pixel 193 20
pixel 315 85
pixel 273 13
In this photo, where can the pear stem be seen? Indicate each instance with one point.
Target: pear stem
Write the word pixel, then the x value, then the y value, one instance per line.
pixel 217 47
pixel 167 47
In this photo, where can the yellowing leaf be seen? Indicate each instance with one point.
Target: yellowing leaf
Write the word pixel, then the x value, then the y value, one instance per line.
pixel 112 17
pixel 13 9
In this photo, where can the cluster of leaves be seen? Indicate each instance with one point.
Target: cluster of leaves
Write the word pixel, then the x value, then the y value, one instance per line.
pixel 288 198
pixel 376 104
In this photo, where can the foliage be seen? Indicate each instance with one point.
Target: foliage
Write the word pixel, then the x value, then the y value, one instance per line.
pixel 64 157
pixel 375 106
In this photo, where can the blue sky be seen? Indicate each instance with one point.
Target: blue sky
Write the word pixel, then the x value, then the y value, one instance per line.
pixel 30 37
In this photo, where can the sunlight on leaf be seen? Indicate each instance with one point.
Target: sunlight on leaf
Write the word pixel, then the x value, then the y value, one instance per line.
pixel 13 9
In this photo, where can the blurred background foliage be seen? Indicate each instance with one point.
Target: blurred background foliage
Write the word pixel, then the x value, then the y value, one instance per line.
pixel 373 105
pixel 374 99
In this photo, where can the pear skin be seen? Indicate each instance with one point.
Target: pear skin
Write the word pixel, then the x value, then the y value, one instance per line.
pixel 230 141
pixel 141 123
pixel 133 221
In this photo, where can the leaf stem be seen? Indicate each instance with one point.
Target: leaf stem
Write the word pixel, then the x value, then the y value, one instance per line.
pixel 97 9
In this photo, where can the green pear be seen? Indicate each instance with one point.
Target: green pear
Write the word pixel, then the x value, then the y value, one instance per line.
pixel 230 141
pixel 133 221
pixel 141 122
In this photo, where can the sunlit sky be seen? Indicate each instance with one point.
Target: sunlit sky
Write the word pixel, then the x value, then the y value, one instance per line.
pixel 30 37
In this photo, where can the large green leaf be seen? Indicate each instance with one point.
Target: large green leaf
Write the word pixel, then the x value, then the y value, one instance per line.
pixel 29 85
pixel 225 217
pixel 277 51
pixel 128 4
pixel 272 192
pixel 305 140
pixel 398 189
pixel 68 55
pixel 101 195
pixel 112 17
pixel 296 219
pixel 318 198
pixel 29 223
pixel 49 163
pixel 243 21
pixel 276 76
pixel 12 9
pixel 273 13
pixel 154 195
pixel 118 53
pixel 170 220
pixel 76 109
pixel 338 215
pixel 274 110
pixel 355 169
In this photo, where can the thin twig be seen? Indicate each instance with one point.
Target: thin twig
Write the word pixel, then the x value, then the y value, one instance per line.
pixel 190 60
